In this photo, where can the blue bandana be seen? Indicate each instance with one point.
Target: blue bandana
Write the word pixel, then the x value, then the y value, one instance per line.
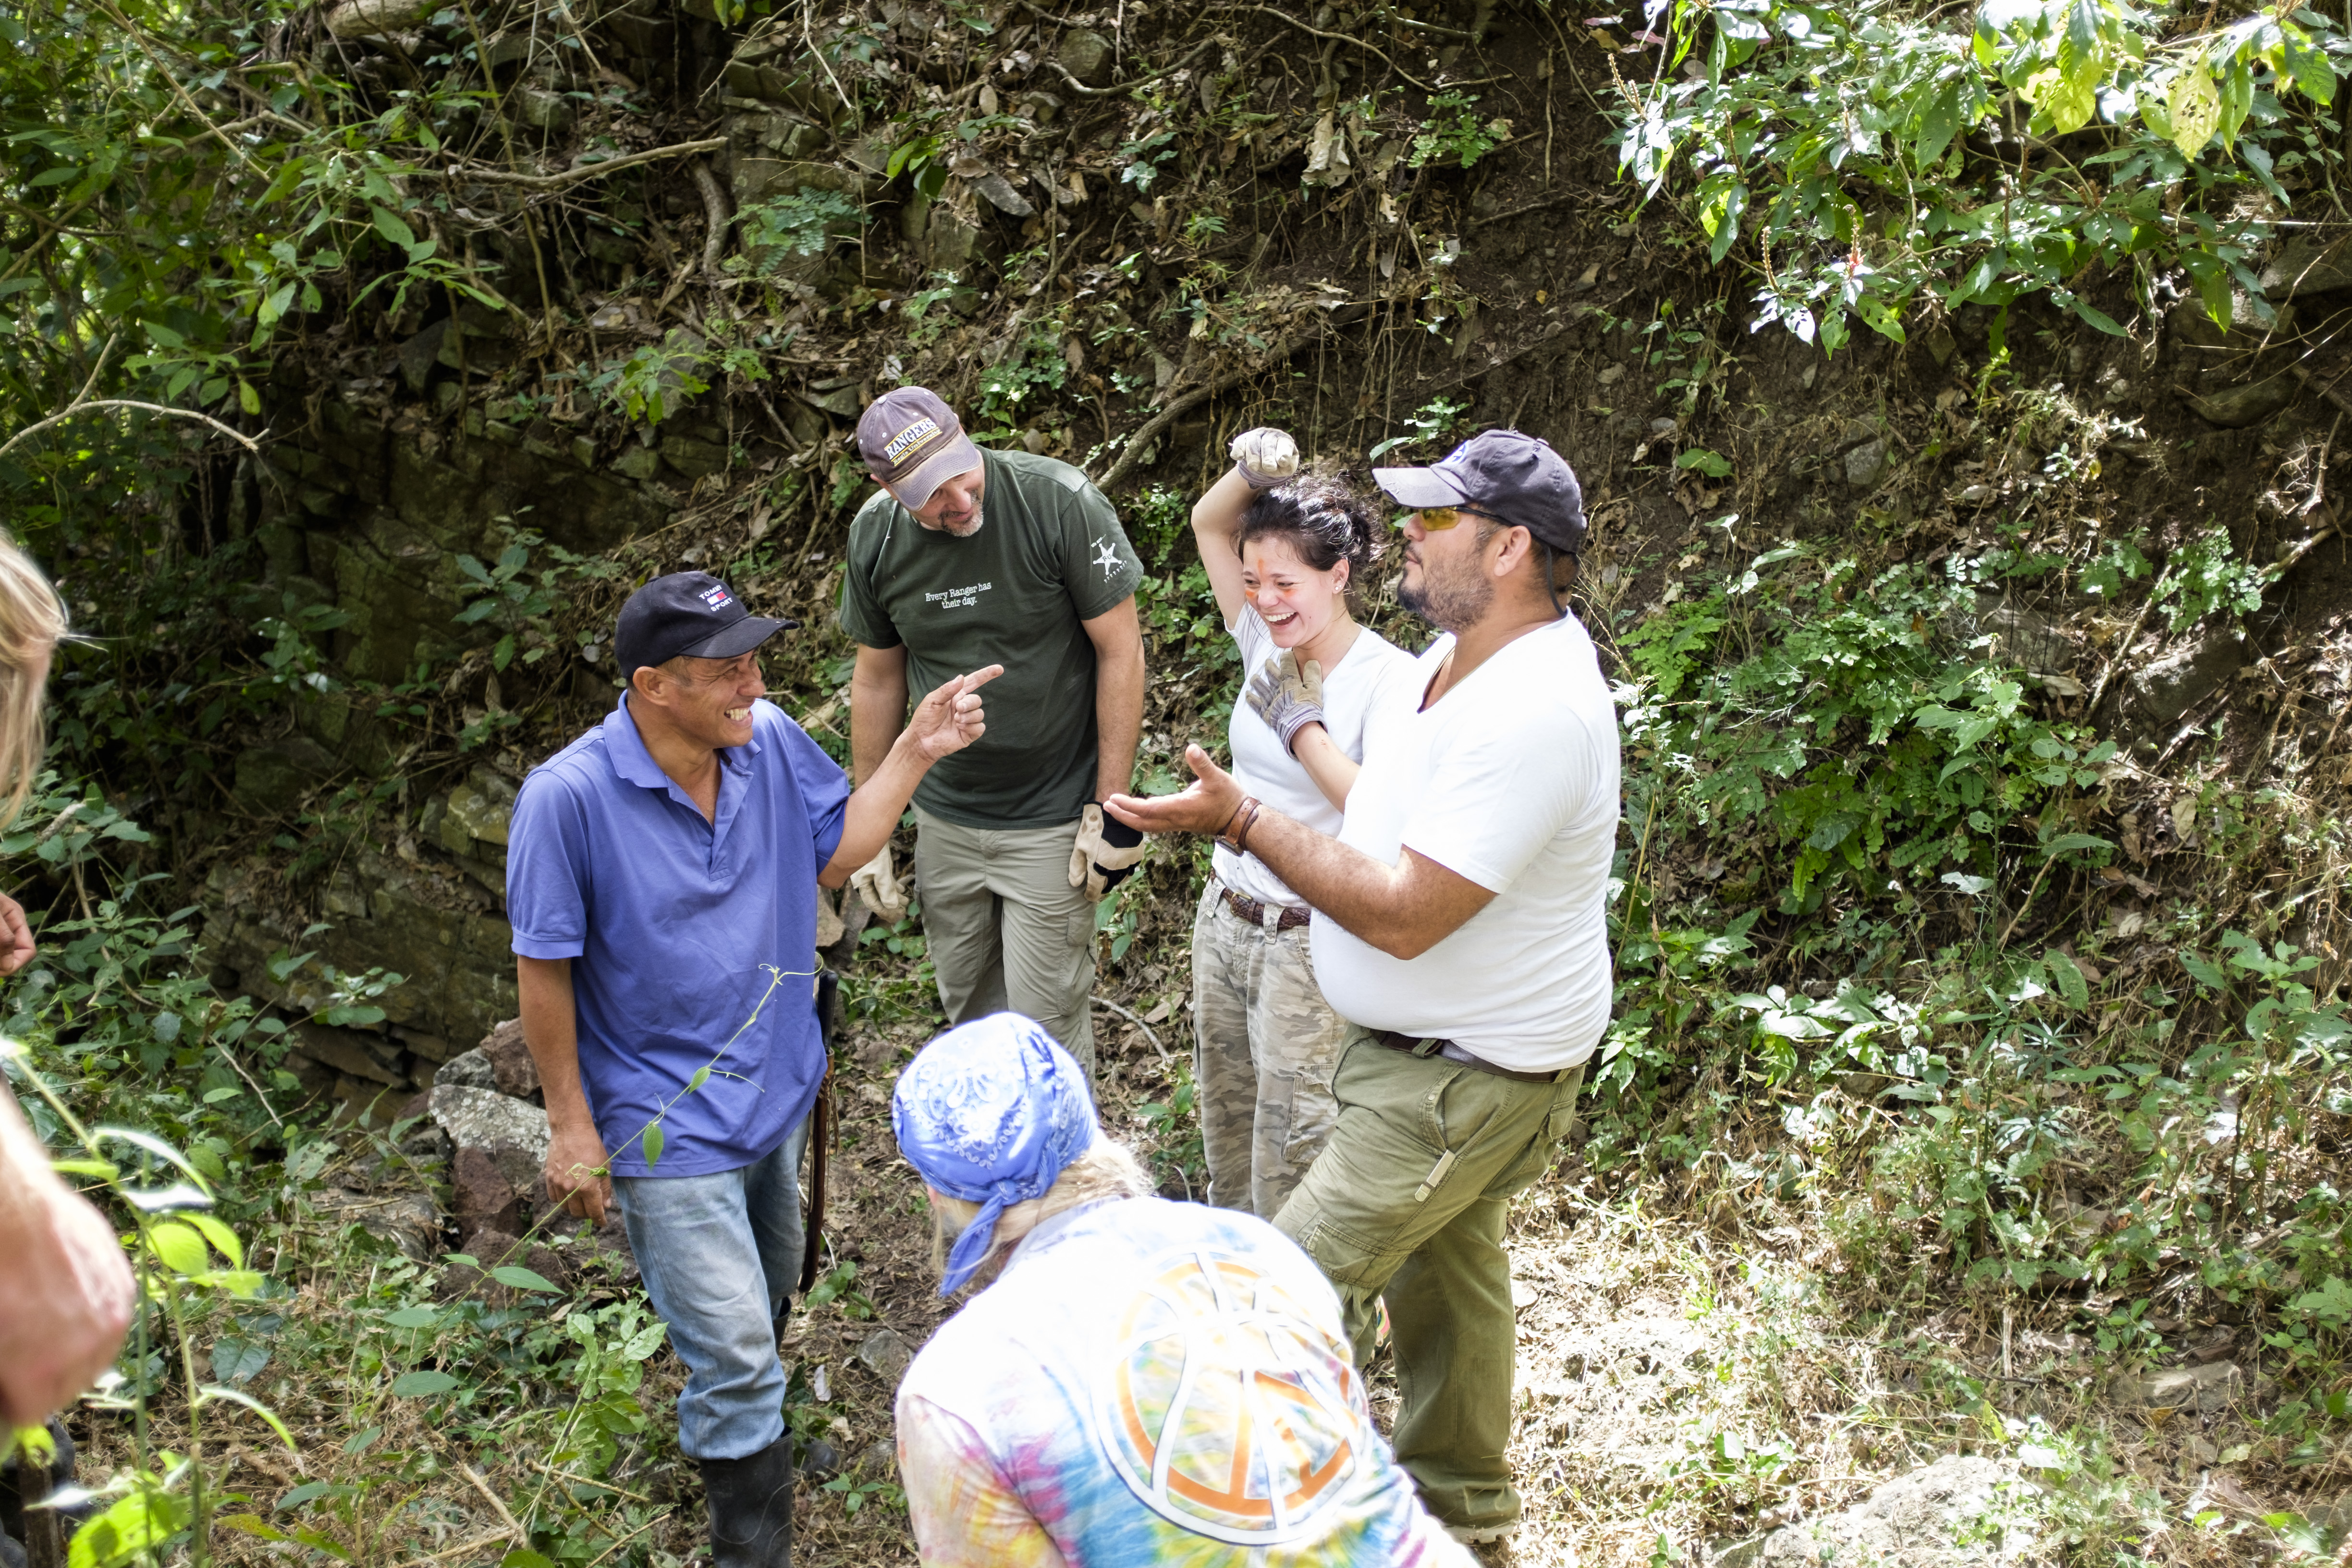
pixel 991 1112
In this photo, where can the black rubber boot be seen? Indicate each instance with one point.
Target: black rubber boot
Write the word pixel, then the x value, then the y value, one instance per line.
pixel 752 1508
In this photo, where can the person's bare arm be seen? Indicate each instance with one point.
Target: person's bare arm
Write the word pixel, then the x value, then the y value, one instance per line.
pixel 1216 518
pixel 877 708
pixel 17 947
pixel 66 1291
pixel 944 723
pixel 1118 636
pixel 1403 909
pixel 576 1161
pixel 1333 770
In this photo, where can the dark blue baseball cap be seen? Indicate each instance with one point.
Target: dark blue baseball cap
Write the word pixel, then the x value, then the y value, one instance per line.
pixel 691 614
pixel 1517 477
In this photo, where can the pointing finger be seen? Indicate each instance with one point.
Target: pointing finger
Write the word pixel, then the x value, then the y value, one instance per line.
pixel 980 678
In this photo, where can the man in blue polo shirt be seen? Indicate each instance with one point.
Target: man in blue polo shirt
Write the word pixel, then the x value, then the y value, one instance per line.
pixel 661 879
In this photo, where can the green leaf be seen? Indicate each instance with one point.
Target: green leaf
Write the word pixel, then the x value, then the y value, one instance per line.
pixel 2194 107
pixel 2237 97
pixel 2068 977
pixel 522 1278
pixel 251 1524
pixel 423 1384
pixel 130 1528
pixel 2070 103
pixel 412 1318
pixel 701 1076
pixel 247 397
pixel 2066 841
pixel 390 225
pixel 2311 72
pixel 1713 465
pixel 2203 972
pixel 181 1249
pixel 653 1145
pixel 1937 127
pixel 237 1359
pixel 224 1239
pixel 523 1557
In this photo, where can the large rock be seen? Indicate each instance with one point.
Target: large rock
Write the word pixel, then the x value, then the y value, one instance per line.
pixel 885 1354
pixel 483 1195
pixel 271 777
pixel 1085 55
pixel 509 1059
pixel 2163 691
pixel 1947 1515
pixel 2207 1390
pixel 2305 266
pixel 2235 407
pixel 479 812
pixel 467 1069
pixel 514 1132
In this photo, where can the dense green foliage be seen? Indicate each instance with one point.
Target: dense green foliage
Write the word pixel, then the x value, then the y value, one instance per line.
pixel 1858 158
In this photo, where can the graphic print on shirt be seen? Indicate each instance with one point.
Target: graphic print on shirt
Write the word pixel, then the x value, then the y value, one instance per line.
pixel 1106 557
pixel 1224 1407
pixel 963 598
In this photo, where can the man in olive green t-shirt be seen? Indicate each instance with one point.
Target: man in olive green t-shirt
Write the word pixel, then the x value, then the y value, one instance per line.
pixel 968 551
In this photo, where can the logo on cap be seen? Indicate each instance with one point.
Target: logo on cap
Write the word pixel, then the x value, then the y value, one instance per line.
pixel 715 596
pixel 908 440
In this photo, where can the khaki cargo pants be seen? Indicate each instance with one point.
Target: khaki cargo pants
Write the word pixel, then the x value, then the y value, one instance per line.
pixel 1407 1204
pixel 1265 1045
pixel 1005 929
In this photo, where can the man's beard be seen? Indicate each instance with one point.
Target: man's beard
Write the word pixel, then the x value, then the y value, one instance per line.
pixel 966 529
pixel 1448 606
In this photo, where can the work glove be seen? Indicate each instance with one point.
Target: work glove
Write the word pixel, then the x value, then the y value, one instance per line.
pixel 1265 457
pixel 1106 850
pixel 1288 695
pixel 877 883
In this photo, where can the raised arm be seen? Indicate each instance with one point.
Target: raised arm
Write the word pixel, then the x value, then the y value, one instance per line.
pixel 1263 459
pixel 1216 518
pixel 942 724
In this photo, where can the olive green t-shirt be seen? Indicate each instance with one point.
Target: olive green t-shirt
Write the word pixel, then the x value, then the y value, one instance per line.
pixel 1049 554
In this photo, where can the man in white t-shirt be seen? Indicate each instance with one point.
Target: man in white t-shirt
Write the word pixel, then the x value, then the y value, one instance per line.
pixel 1460 927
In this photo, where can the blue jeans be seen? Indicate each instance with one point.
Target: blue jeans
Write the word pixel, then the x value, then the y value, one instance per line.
pixel 721 1255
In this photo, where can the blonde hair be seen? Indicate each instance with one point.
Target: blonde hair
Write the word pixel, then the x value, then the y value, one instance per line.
pixel 32 623
pixel 1107 1170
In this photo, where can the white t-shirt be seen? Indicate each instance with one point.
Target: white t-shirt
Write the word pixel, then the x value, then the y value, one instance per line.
pixel 1509 780
pixel 1372 672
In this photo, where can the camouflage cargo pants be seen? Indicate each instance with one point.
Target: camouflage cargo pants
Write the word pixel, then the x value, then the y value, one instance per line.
pixel 1265 1046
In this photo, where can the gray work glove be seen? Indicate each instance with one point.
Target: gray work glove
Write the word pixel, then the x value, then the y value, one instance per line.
pixel 1106 850
pixel 877 883
pixel 1265 457
pixel 1288 695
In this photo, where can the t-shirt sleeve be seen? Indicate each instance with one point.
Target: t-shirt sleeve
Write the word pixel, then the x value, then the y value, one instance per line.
pixel 965 1514
pixel 861 613
pixel 1097 563
pixel 548 881
pixel 1499 791
pixel 823 787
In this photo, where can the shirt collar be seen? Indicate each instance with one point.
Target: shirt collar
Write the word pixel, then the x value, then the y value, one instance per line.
pixel 634 762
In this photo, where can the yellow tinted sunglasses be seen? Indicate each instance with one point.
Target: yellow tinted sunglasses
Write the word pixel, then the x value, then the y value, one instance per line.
pixel 1438 518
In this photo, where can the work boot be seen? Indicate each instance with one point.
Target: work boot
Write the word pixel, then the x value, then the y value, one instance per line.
pixel 752 1508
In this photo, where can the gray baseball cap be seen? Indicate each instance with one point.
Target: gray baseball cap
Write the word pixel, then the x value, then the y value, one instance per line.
pixel 1517 477
pixel 912 443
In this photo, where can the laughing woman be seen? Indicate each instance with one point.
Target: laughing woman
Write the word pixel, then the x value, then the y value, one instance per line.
pixel 1281 549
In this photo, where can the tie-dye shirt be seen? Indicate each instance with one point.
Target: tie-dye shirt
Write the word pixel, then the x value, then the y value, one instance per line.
pixel 1154 1382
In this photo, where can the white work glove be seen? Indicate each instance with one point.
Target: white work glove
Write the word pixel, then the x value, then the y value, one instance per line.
pixel 877 883
pixel 1106 850
pixel 1265 457
pixel 1288 695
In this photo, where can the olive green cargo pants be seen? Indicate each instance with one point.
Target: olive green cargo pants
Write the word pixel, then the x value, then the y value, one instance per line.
pixel 1406 1203
pixel 1005 929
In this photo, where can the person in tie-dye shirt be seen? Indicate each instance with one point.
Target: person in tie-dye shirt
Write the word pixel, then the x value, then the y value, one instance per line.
pixel 1138 1382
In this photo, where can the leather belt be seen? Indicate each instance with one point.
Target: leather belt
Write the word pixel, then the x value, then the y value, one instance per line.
pixel 1454 1053
pixel 1291 917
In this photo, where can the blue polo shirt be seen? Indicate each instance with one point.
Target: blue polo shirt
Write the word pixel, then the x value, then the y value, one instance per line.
pixel 677 928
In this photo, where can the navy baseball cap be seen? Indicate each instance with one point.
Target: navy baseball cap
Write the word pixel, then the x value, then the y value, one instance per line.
pixel 1517 478
pixel 691 614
